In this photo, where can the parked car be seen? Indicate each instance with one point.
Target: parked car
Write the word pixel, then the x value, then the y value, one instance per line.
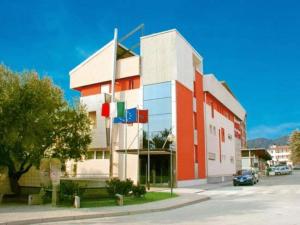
pixel 290 168
pixel 245 177
pixel 282 170
pixel 271 171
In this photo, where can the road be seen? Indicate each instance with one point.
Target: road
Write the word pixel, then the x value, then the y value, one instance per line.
pixel 274 201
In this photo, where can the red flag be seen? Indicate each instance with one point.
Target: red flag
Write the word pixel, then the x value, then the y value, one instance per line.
pixel 143 116
pixel 105 110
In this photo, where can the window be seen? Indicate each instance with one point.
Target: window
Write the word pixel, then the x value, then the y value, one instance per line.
pixel 211 129
pixel 196 153
pixel 222 134
pixel 211 156
pixel 158 106
pixel 131 84
pixel 212 110
pixel 157 99
pixel 195 120
pixel 93 118
pixel 155 91
pixel 231 159
pixel 99 154
pixel 215 131
pixel 194 89
pixel 106 155
pixel 90 155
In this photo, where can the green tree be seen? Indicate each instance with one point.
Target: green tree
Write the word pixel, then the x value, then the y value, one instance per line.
pixel 36 122
pixel 157 140
pixel 294 144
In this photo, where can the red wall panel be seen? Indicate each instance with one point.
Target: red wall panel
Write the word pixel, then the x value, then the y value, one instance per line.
pixel 199 93
pixel 185 133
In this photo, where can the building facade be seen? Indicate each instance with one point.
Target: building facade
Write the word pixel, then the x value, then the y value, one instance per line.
pixel 280 155
pixel 167 78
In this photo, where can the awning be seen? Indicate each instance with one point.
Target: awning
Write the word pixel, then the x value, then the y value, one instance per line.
pixel 259 152
pixel 158 151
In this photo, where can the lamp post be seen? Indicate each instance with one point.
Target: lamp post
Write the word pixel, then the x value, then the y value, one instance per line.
pixel 170 138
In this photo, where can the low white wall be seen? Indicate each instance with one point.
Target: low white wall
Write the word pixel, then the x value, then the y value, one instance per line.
pixel 93 168
pixel 189 183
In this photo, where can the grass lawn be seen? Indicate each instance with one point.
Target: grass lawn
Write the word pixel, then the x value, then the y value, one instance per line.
pixel 130 200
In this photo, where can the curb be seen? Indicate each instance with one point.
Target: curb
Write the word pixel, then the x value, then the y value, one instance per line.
pixel 103 215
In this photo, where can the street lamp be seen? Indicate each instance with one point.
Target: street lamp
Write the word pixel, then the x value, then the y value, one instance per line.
pixel 170 138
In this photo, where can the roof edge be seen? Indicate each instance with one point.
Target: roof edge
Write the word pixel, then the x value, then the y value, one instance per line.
pixel 174 30
pixel 90 57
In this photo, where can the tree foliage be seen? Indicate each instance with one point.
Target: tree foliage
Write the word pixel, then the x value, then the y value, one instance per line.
pixel 158 140
pixel 294 144
pixel 36 122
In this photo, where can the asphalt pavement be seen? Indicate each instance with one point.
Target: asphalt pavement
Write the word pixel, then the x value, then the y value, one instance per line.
pixel 274 201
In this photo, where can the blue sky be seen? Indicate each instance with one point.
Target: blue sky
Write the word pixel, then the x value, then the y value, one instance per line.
pixel 253 45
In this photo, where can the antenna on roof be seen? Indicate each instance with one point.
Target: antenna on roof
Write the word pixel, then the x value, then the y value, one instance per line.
pixel 138 28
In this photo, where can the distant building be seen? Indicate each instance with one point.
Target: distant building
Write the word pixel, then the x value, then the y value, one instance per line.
pixel 255 158
pixel 280 155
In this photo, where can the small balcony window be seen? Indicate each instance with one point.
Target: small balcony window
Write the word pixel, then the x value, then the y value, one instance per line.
pixel 93 118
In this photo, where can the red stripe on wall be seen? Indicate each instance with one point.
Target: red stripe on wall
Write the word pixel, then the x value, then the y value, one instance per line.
pixel 123 84
pixel 200 125
pixel 185 133
pixel 217 105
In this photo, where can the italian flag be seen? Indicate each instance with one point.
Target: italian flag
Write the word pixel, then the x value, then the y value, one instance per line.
pixel 113 109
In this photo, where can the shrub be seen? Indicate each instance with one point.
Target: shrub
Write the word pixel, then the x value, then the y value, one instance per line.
pixel 116 186
pixel 69 189
pixel 138 190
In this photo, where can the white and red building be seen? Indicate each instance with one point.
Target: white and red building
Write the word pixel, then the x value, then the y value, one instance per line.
pixel 166 78
pixel 281 155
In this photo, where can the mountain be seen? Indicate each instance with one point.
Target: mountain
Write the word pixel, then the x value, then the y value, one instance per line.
pixel 265 142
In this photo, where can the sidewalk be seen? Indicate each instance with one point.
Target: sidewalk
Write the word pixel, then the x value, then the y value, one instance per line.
pixel 23 214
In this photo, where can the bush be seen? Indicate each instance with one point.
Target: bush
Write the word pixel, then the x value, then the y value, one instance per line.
pixel 116 186
pixel 70 189
pixel 138 190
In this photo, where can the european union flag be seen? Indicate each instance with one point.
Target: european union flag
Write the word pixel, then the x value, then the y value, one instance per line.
pixel 119 120
pixel 131 115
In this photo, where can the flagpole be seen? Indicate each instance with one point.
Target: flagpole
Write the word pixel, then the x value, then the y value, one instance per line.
pixel 125 141
pixel 148 177
pixel 138 151
pixel 115 42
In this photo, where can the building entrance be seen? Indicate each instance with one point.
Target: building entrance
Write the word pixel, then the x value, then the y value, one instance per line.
pixel 159 170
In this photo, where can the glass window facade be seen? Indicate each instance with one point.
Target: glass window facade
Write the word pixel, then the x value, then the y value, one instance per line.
pixel 157 99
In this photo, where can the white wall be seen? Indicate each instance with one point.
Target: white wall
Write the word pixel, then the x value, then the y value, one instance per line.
pixel 185 70
pixel 215 167
pixel 94 103
pixel 158 54
pixel 98 68
pixel 101 166
pixel 238 153
pixel 168 56
pixel 132 167
pixel 93 168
